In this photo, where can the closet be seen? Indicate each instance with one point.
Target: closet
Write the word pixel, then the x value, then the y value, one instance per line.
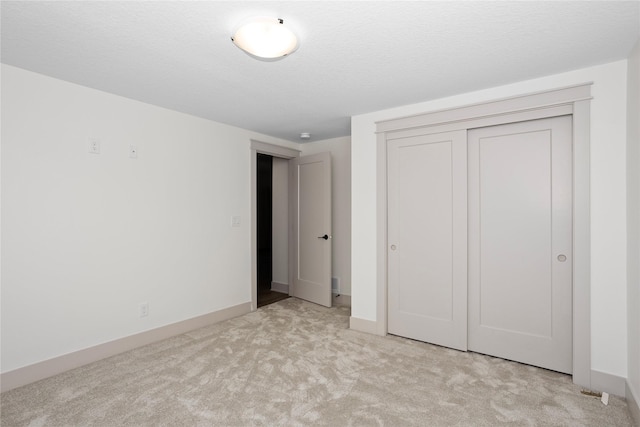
pixel 479 228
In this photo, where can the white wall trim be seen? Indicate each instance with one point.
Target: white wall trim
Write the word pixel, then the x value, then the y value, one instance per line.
pixel 573 100
pixel 612 384
pixel 280 287
pixel 381 235
pixel 527 102
pixel 633 402
pixel 364 325
pixel 275 151
pixel 484 121
pixel 339 299
pixel 41 370
pixel 582 243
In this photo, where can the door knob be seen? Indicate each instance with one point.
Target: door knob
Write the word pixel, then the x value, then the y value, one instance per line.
pixel 562 258
pixel 325 237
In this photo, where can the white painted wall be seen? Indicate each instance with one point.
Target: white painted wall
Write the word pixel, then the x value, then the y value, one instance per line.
pixel 87 237
pixel 280 221
pixel 608 201
pixel 633 219
pixel 340 149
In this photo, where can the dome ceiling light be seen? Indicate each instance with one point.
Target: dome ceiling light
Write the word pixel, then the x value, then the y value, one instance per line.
pixel 265 38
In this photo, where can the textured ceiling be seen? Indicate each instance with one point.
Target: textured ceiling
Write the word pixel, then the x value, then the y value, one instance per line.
pixel 354 56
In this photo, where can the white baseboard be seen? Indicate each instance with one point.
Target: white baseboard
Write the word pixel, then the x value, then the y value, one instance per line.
pixel 339 299
pixel 633 402
pixel 280 287
pixel 41 370
pixel 612 384
pixel 364 325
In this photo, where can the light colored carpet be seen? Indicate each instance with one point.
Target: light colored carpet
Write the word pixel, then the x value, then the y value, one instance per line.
pixel 296 364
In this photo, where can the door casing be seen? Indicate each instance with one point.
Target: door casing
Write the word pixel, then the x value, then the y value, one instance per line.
pixel 288 154
pixel 572 100
pixel 275 151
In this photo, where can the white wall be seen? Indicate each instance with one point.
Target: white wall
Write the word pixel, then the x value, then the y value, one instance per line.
pixel 280 221
pixel 633 220
pixel 608 201
pixel 340 149
pixel 87 237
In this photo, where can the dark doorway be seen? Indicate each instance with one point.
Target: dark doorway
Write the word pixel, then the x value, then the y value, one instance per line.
pixel 264 206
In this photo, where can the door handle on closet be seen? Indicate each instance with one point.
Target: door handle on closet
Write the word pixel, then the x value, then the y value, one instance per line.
pixel 325 237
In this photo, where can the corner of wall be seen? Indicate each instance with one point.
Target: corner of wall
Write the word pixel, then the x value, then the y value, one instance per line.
pixel 602 381
pixel 364 325
pixel 633 402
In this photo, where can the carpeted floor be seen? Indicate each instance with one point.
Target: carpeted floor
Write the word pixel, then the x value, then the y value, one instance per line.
pixel 293 363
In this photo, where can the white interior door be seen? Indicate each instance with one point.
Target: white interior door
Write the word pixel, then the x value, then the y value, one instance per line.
pixel 311 228
pixel 520 241
pixel 427 235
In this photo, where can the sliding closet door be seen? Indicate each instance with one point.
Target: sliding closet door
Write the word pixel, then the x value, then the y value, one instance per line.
pixel 427 235
pixel 520 242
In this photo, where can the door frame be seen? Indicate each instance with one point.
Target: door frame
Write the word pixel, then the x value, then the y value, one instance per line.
pixel 571 100
pixel 275 151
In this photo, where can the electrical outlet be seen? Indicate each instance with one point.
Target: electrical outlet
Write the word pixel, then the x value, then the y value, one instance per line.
pixel 94 146
pixel 144 309
pixel 235 221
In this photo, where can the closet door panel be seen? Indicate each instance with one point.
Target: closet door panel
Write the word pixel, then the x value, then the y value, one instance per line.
pixel 427 257
pixel 520 242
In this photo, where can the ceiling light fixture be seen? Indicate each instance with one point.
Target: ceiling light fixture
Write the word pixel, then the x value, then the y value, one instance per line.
pixel 265 38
